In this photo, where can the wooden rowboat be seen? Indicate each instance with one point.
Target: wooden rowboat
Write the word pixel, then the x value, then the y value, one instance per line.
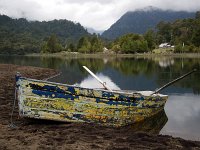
pixel 61 102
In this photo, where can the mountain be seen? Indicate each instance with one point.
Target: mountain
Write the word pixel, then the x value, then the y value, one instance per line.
pixel 141 20
pixel 92 31
pixel 21 36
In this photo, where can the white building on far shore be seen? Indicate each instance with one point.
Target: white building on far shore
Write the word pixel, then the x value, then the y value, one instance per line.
pixel 165 45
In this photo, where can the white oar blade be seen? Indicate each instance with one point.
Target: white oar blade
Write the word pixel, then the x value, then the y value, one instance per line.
pixel 97 78
pixel 88 70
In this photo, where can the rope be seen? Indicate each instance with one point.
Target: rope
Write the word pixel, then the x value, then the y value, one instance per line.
pixel 52 76
pixel 12 125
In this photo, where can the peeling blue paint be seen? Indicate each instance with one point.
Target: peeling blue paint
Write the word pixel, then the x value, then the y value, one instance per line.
pixel 107 94
pixel 71 89
pixel 78 104
pixel 54 94
pixel 111 102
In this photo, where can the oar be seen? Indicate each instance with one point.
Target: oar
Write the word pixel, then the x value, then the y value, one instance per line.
pixel 103 83
pixel 170 83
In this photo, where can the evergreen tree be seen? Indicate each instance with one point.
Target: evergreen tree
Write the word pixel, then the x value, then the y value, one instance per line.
pixel 131 43
pixel 96 44
pixel 196 37
pixel 149 36
pixel 71 47
pixel 185 31
pixel 165 32
pixel 52 43
pixel 84 45
pixel 28 36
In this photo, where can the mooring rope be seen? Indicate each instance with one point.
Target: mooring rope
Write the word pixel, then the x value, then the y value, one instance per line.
pixel 52 76
pixel 12 125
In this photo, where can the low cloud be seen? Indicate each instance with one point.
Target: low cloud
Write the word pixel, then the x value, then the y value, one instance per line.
pixel 98 14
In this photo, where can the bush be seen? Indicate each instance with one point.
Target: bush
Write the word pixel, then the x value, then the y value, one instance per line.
pixel 131 43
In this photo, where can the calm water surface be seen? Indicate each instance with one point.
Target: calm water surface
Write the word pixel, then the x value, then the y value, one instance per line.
pixel 183 106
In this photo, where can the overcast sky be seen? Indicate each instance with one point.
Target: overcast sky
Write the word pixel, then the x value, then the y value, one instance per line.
pixel 98 14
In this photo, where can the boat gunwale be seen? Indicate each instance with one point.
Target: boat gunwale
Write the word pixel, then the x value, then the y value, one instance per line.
pixel 97 89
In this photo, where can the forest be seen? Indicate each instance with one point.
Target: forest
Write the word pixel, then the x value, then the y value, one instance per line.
pixel 183 34
pixel 19 36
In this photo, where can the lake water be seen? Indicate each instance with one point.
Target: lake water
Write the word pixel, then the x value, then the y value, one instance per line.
pixel 183 106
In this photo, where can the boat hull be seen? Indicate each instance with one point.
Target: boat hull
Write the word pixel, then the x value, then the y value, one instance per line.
pixel 60 102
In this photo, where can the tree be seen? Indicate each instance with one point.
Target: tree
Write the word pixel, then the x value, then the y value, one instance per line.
pixel 51 43
pixel 130 43
pixel 71 47
pixel 185 31
pixel 96 44
pixel 84 45
pixel 197 16
pixel 90 44
pixel 44 48
pixel 116 48
pixel 30 36
pixel 149 36
pixel 165 32
pixel 196 38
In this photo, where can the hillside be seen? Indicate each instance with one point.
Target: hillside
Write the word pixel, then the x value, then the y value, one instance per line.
pixel 19 36
pixel 93 31
pixel 140 21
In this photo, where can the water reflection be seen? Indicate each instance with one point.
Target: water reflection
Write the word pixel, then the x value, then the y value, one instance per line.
pixel 91 82
pixel 183 110
pixel 128 73
pixel 151 125
pixel 166 62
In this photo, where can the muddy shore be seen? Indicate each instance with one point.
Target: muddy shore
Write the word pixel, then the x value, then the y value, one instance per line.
pixel 40 134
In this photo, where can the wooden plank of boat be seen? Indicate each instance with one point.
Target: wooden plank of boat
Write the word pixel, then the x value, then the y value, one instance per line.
pixel 47 100
pixel 54 101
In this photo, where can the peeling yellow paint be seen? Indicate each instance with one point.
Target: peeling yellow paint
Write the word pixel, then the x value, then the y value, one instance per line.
pixel 83 105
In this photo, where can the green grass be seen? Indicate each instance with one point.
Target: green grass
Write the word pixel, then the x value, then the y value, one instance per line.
pixel 163 50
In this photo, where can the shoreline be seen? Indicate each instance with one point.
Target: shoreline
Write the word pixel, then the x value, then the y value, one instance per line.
pixel 42 134
pixel 106 55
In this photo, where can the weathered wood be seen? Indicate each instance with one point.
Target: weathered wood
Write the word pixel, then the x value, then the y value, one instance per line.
pixel 62 102
pixel 172 82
